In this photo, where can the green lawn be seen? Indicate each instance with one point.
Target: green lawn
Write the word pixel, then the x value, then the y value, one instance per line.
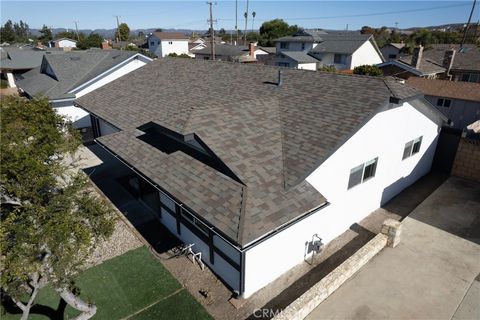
pixel 121 287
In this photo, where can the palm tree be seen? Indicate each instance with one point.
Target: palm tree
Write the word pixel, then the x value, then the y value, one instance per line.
pixel 253 19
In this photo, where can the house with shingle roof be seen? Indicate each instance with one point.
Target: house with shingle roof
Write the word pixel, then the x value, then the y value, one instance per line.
pixel 457 100
pixel 257 166
pixel 229 52
pixel 391 51
pixel 161 44
pixel 64 77
pixel 438 61
pixel 310 49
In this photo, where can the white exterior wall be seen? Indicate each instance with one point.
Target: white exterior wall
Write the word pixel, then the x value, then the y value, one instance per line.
pixel 307 66
pixel 220 266
pixel 384 136
pixel 327 59
pixel 79 117
pixel 67 44
pixel 162 48
pixel 366 54
pixel 129 67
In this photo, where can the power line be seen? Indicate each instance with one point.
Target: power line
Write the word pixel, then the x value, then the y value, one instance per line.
pixel 367 14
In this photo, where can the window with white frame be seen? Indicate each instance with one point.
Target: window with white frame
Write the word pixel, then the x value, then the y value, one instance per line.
pixel 442 102
pixel 362 173
pixel 412 147
pixel 470 77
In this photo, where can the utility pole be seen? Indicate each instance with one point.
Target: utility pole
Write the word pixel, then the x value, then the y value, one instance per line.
pixel 236 19
pixel 346 28
pixel 118 30
pixel 212 32
pixel 246 21
pixel 76 28
pixel 468 24
pixel 396 26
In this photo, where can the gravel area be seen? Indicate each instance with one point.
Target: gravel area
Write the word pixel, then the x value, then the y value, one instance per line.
pixel 121 241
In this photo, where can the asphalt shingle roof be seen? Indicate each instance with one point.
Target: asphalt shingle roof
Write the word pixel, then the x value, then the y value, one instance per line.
pixel 15 58
pixel 270 137
pixel 225 50
pixel 346 43
pixel 466 58
pixel 449 89
pixel 70 69
pixel 300 56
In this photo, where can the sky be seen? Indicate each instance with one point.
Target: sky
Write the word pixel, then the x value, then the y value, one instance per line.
pixel 194 14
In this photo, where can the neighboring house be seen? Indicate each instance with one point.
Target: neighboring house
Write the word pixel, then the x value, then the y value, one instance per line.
pixel 228 52
pixel 252 165
pixel 459 101
pixel 439 61
pixel 195 45
pixel 391 51
pixel 64 77
pixel 15 61
pixel 162 44
pixel 63 43
pixel 345 51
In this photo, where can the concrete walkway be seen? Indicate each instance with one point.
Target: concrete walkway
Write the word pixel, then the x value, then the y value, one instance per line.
pixel 431 274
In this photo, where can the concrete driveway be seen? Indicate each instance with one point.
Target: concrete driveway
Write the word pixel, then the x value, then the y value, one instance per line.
pixel 431 274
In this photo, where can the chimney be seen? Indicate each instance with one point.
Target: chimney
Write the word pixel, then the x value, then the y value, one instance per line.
pixel 39 44
pixel 106 45
pixel 448 60
pixel 417 57
pixel 280 78
pixel 57 44
pixel 251 49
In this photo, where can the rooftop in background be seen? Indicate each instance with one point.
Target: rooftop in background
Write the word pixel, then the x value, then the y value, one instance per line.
pixel 466 58
pixel 69 70
pixel 224 50
pixel 269 136
pixel 448 89
pixel 23 57
pixel 399 46
pixel 171 35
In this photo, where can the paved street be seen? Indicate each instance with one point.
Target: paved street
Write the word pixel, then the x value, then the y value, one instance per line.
pixel 431 274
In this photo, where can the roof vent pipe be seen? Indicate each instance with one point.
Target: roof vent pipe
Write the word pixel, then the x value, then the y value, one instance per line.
pixel 280 78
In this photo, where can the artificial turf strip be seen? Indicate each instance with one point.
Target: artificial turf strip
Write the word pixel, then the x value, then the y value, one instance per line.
pixel 120 287
pixel 125 284
pixel 179 306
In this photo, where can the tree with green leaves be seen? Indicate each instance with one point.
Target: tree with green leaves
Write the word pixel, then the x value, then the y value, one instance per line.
pixel 7 34
pixel 94 40
pixel 273 29
pixel 123 32
pixel 46 34
pixel 368 70
pixel 66 34
pixel 50 220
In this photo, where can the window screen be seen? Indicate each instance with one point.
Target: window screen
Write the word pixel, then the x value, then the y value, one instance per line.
pixel 355 176
pixel 407 151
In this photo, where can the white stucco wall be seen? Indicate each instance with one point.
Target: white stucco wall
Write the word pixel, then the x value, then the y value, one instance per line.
pixel 384 136
pixel 162 48
pixel 79 117
pixel 67 44
pixel 366 54
pixel 229 274
pixel 307 66
pixel 328 59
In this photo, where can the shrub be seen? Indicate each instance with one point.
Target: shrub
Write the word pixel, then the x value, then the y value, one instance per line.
pixel 368 70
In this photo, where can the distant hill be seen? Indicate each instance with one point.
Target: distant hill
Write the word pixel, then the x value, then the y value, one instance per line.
pixel 110 33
